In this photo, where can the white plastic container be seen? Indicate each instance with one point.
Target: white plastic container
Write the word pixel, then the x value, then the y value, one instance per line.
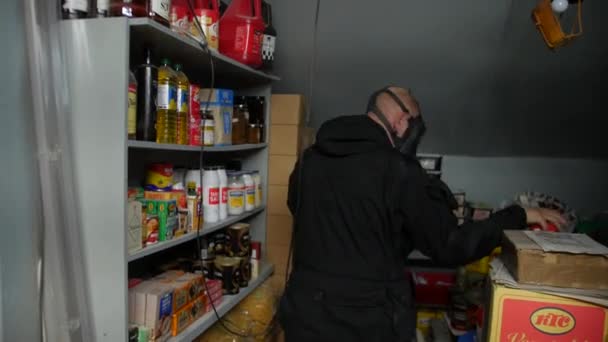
pixel 236 194
pixel 223 178
pixel 249 191
pixel 211 195
pixel 257 182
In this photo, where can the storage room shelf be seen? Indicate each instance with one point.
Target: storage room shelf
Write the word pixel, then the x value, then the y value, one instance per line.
pixel 185 50
pixel 136 144
pixel 228 302
pixel 207 228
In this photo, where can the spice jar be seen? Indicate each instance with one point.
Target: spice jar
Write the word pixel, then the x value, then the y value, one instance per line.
pixel 254 134
pixel 208 123
pixel 236 194
pixel 239 125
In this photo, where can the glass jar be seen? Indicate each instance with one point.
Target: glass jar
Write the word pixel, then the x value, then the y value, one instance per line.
pixel 254 134
pixel 249 191
pixel 208 123
pixel 257 182
pixel 239 125
pixel 236 194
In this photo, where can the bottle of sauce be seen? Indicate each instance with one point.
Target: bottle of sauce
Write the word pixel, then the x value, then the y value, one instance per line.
pixel 239 125
pixel 155 9
pixel 166 104
pixel 132 107
pixel 270 37
pixel 147 78
pixel 183 88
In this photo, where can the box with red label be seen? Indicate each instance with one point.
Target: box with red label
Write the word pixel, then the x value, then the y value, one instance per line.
pixel 522 315
pixel 432 286
pixel 194 116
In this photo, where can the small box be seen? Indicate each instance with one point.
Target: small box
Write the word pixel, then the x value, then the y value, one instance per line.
pixel 188 314
pixel 134 222
pixel 432 285
pixel 194 116
pixel 530 264
pixel 159 305
pixel 287 109
pixel 430 162
pixel 280 168
pixel 524 315
pixel 278 229
pixel 221 107
pixel 165 214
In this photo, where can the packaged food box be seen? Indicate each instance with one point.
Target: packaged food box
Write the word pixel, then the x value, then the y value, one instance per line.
pixel 221 106
pixel 188 314
pixel 151 305
pixel 163 214
pixel 150 223
pixel 134 223
pixel 194 116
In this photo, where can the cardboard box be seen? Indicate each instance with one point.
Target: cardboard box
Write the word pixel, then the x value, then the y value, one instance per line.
pixel 188 314
pixel 284 140
pixel 287 109
pixel 520 315
pixel 278 229
pixel 280 168
pixel 158 310
pixel 221 107
pixel 530 264
pixel 277 200
pixel 194 116
pixel 277 255
pixel 134 222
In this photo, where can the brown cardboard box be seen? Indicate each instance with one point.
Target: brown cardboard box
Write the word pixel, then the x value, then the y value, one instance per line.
pixel 529 264
pixel 287 109
pixel 284 140
pixel 277 200
pixel 278 230
pixel 277 255
pixel 279 169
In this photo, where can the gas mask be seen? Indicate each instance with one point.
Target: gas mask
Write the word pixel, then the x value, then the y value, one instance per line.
pixel 408 144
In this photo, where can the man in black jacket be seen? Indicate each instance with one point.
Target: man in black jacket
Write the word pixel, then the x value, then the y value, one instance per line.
pixel 361 203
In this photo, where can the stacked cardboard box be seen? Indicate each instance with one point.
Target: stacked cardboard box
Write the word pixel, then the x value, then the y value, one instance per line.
pixel 288 137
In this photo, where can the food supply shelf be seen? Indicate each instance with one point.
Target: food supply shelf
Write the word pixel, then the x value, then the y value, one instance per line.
pixel 189 52
pixel 207 228
pixel 136 144
pixel 228 302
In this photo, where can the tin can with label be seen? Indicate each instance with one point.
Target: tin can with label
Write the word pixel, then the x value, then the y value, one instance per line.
pixel 245 271
pixel 228 270
pixel 238 240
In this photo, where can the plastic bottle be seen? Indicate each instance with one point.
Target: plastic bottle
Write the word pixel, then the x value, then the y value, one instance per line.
pixel 147 82
pixel 211 195
pixel 166 104
pixel 223 177
pixel 236 194
pixel 242 29
pixel 183 88
pixel 249 192
pixel 208 14
pixel 132 107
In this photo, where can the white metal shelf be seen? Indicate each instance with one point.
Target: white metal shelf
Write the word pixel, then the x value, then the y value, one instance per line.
pixel 146 31
pixel 150 145
pixel 207 229
pixel 228 302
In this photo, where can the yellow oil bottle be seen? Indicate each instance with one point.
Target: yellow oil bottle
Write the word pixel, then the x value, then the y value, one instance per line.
pixel 166 107
pixel 183 87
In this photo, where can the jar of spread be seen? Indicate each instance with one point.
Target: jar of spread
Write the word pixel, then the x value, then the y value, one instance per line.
pixel 236 194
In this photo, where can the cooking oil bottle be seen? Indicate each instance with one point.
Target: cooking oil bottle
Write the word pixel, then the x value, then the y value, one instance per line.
pixel 166 115
pixel 183 86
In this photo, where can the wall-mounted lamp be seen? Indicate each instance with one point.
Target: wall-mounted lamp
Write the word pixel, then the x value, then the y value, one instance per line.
pixel 548 23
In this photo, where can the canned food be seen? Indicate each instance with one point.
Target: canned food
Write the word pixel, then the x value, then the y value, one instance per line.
pixel 245 268
pixel 228 271
pixel 217 244
pixel 238 240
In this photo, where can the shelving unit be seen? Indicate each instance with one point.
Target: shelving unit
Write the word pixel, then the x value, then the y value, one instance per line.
pixel 99 53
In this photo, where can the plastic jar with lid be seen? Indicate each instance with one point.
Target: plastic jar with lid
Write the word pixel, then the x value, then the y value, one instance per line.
pixel 249 191
pixel 257 183
pixel 208 127
pixel 236 194
pixel 211 195
pixel 223 178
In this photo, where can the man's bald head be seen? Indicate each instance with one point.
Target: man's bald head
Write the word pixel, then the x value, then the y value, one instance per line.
pixel 396 116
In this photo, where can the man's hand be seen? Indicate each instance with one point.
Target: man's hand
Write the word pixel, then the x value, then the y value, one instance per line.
pixel 541 216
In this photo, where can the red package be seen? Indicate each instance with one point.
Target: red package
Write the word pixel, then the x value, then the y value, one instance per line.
pixel 194 116
pixel 432 287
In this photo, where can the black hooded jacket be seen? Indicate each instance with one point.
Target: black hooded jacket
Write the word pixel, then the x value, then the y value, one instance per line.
pixel 362 207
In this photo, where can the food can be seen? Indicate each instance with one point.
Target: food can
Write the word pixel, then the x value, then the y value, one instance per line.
pixel 245 274
pixel 217 243
pixel 238 240
pixel 228 270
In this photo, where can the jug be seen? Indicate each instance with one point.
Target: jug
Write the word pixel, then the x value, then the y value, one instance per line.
pixel 242 31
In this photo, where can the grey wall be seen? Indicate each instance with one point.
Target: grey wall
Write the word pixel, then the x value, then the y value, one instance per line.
pixel 487 84
pixel 19 200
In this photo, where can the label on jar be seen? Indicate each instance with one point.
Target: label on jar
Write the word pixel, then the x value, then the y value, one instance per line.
pixel 250 196
pixel 235 198
pixel 132 111
pixel 208 132
pixel 162 97
pixel 161 7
